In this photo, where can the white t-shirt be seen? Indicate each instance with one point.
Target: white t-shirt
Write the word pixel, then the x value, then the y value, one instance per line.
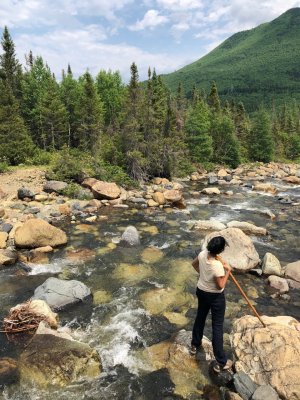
pixel 209 269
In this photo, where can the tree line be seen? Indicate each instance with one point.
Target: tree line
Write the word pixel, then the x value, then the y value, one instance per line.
pixel 140 127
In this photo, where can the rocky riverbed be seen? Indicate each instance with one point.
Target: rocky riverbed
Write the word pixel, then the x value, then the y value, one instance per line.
pixel 125 258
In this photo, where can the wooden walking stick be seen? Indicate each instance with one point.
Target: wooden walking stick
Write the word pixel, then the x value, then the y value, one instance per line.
pixel 243 294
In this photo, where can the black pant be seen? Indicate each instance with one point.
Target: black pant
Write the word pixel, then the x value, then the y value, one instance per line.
pixel 216 303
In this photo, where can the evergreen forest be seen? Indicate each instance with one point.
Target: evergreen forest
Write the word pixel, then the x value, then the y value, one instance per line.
pixel 128 132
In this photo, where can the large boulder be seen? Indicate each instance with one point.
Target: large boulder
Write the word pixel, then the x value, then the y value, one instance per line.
pixel 247 228
pixel 292 271
pixel 106 190
pixel 25 193
pixel 292 179
pixel 54 186
pixel 211 191
pixel 240 252
pixel 173 196
pixel 3 239
pixel 159 198
pixel 271 265
pixel 130 237
pixel 269 355
pixel 53 359
pixel 184 370
pixel 278 283
pixel 38 233
pixel 59 294
pixel 265 187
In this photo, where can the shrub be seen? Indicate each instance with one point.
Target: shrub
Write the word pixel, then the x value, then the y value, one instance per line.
pixel 75 191
pixel 3 166
pixel 41 157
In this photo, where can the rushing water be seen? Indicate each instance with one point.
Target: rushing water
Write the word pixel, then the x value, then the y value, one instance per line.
pixel 120 328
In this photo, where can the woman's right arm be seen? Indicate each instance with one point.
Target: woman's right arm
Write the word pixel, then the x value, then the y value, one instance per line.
pixel 195 264
pixel 222 280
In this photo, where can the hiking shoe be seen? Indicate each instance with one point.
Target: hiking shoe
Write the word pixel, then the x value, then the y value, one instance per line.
pixel 218 368
pixel 194 350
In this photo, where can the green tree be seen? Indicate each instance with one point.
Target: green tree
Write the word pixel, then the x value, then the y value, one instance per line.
pixel 261 142
pixel 10 68
pixel 111 90
pixel 90 115
pixel 213 98
pixel 132 135
pixel 197 127
pixel 225 143
pixel 15 143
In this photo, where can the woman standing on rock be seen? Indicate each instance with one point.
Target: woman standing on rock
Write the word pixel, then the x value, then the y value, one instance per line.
pixel 213 276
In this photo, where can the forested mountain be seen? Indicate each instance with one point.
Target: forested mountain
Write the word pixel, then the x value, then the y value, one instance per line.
pixel 257 66
pixel 101 127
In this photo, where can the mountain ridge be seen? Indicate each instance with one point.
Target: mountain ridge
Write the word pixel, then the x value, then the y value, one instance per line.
pixel 253 66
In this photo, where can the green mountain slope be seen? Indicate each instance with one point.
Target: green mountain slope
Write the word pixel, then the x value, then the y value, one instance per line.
pixel 254 66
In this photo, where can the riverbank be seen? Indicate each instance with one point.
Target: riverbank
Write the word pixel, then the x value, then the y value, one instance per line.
pixel 143 295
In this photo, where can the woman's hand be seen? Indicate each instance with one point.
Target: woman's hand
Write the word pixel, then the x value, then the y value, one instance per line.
pixel 226 266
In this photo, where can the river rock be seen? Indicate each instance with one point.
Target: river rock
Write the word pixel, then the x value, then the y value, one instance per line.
pixel 265 392
pixel 211 191
pixel 3 239
pixel 271 265
pixel 8 257
pixel 265 187
pixel 240 252
pixel 248 228
pixel 6 227
pixel 106 190
pixel 222 173
pixel 173 354
pixel 9 371
pixel 41 197
pixel 52 360
pixel 130 237
pixel 39 307
pixel 292 179
pixel 54 186
pixel 293 284
pixel 159 198
pixel 37 233
pixel 212 180
pixel 269 355
pixel 244 385
pixel 152 203
pixel 278 283
pixel 210 225
pixel 172 196
pixel 292 271
pixel 89 182
pixel 25 193
pixel 59 294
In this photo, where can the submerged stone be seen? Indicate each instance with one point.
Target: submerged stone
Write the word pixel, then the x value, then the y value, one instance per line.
pixel 131 273
pixel 151 255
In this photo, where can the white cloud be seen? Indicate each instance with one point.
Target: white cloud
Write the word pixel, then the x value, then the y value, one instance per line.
pixel 151 20
pixel 83 51
pixel 176 5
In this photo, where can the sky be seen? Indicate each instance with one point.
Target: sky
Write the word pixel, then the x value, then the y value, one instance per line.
pixel 111 34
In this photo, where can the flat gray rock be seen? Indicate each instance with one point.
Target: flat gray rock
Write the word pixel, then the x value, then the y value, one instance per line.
pixel 265 392
pixel 244 385
pixel 59 294
pixel 130 237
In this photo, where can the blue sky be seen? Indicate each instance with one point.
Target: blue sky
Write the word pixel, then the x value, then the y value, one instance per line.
pixel 111 34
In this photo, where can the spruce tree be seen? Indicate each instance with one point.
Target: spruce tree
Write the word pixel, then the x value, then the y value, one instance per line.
pixel 197 127
pixel 261 142
pixel 15 143
pixel 132 134
pixel 225 143
pixel 213 98
pixel 10 68
pixel 90 115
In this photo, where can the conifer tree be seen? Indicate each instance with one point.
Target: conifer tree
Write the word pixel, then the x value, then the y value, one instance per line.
pixel 15 143
pixel 225 143
pixel 261 142
pixel 132 139
pixel 213 98
pixel 69 92
pixel 197 127
pixel 90 115
pixel 10 68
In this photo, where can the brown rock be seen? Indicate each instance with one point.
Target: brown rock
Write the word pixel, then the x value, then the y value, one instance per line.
pixel 222 173
pixel 269 355
pixel 159 198
pixel 265 187
pixel 7 257
pixel 89 182
pixel 95 203
pixel 64 209
pixel 106 190
pixel 248 228
pixel 3 239
pixel 278 283
pixel 2 212
pixel 172 196
pixel 292 179
pixel 38 233
pixel 152 203
pixel 292 271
